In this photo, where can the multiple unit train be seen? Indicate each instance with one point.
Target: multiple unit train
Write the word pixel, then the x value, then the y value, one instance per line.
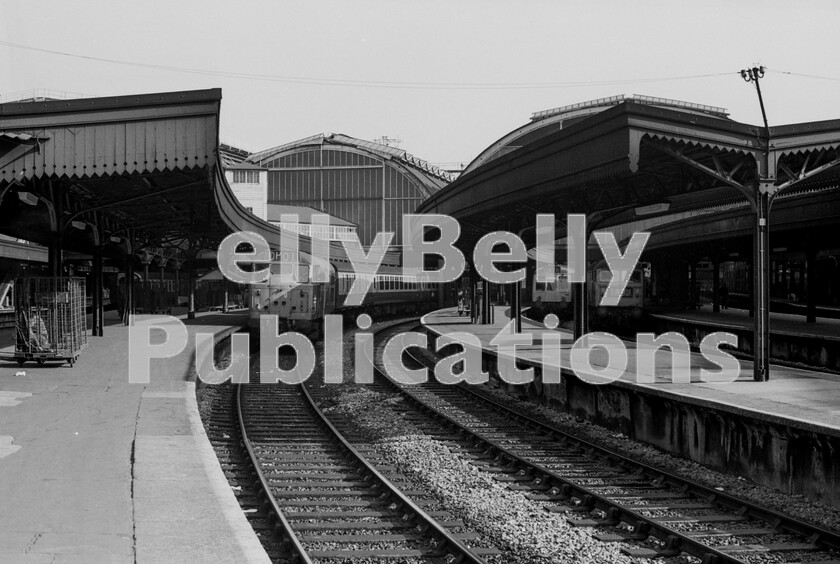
pixel 556 297
pixel 302 306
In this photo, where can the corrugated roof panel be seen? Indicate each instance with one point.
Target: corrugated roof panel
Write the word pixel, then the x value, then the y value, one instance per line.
pixel 241 166
pixel 81 139
pixel 17 137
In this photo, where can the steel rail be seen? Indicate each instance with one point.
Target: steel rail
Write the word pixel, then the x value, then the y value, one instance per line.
pixel 674 539
pixel 299 554
pixel 779 520
pixel 643 527
pixel 433 527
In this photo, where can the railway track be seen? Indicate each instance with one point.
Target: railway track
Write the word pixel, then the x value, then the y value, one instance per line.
pixel 659 514
pixel 222 426
pixel 310 495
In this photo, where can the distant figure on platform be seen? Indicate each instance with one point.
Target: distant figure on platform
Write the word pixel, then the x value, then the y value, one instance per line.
pixel 724 296
pixel 120 298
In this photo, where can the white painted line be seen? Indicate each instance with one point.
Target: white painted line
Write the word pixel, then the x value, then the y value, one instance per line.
pixel 6 446
pixel 11 399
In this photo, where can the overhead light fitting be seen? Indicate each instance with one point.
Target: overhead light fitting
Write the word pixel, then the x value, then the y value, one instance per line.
pixel 653 208
pixel 80 225
pixel 28 198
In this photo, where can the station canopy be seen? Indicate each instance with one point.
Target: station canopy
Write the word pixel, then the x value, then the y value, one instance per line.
pixel 130 173
pixel 620 160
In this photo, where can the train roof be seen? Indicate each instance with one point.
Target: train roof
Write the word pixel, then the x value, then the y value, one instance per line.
pixel 344 267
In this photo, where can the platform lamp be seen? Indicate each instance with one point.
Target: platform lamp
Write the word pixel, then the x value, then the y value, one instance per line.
pixel 33 199
pixel 29 198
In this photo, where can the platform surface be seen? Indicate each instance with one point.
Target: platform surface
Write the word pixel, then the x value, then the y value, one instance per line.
pixel 806 399
pixel 96 469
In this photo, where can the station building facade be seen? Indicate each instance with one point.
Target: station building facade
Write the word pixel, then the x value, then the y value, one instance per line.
pixel 299 220
pixel 247 180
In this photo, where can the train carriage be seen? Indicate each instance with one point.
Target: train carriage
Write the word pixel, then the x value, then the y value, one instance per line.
pixel 300 303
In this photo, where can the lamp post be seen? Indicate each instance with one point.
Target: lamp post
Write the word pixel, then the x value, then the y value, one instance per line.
pixel 760 202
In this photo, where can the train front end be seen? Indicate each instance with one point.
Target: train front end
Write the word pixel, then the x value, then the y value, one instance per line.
pixel 299 303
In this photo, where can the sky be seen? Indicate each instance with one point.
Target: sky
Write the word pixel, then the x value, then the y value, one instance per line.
pixel 447 78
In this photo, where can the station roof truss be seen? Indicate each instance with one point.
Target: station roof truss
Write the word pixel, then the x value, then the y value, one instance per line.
pixel 816 212
pixel 635 160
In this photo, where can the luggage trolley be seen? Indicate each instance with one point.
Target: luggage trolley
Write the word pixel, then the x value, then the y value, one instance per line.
pixel 49 319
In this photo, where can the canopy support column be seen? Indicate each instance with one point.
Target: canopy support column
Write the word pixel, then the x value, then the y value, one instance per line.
pixel 761 288
pixel 516 306
pixel 716 297
pixel 811 283
pixel 191 287
pixel 129 289
pixel 98 299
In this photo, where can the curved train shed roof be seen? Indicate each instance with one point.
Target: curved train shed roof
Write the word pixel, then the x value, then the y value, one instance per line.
pixel 548 121
pixel 637 158
pixel 432 175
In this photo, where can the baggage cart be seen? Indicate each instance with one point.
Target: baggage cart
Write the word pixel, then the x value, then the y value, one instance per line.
pixel 49 319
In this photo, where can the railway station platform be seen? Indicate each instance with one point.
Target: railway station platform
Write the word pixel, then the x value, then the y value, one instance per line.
pixel 96 469
pixel 792 340
pixel 783 433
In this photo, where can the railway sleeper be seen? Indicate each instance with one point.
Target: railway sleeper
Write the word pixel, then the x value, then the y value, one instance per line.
pixel 731 532
pixel 529 487
pixel 345 514
pixel 320 476
pixel 669 507
pixel 670 548
pixel 701 519
pixel 383 524
pixel 772 547
pixel 364 553
pixel 645 495
pixel 306 481
pixel 378 537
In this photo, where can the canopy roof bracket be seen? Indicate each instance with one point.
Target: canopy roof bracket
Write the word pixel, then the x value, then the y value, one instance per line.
pixel 719 172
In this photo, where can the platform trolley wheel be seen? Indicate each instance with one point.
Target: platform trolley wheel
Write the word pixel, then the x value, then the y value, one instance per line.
pixel 21 361
pixel 40 361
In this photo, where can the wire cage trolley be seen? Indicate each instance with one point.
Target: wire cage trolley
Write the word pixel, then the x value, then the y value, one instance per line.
pixel 50 319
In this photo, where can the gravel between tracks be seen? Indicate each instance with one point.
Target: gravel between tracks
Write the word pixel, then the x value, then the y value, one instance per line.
pixel 520 527
pixel 798 506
